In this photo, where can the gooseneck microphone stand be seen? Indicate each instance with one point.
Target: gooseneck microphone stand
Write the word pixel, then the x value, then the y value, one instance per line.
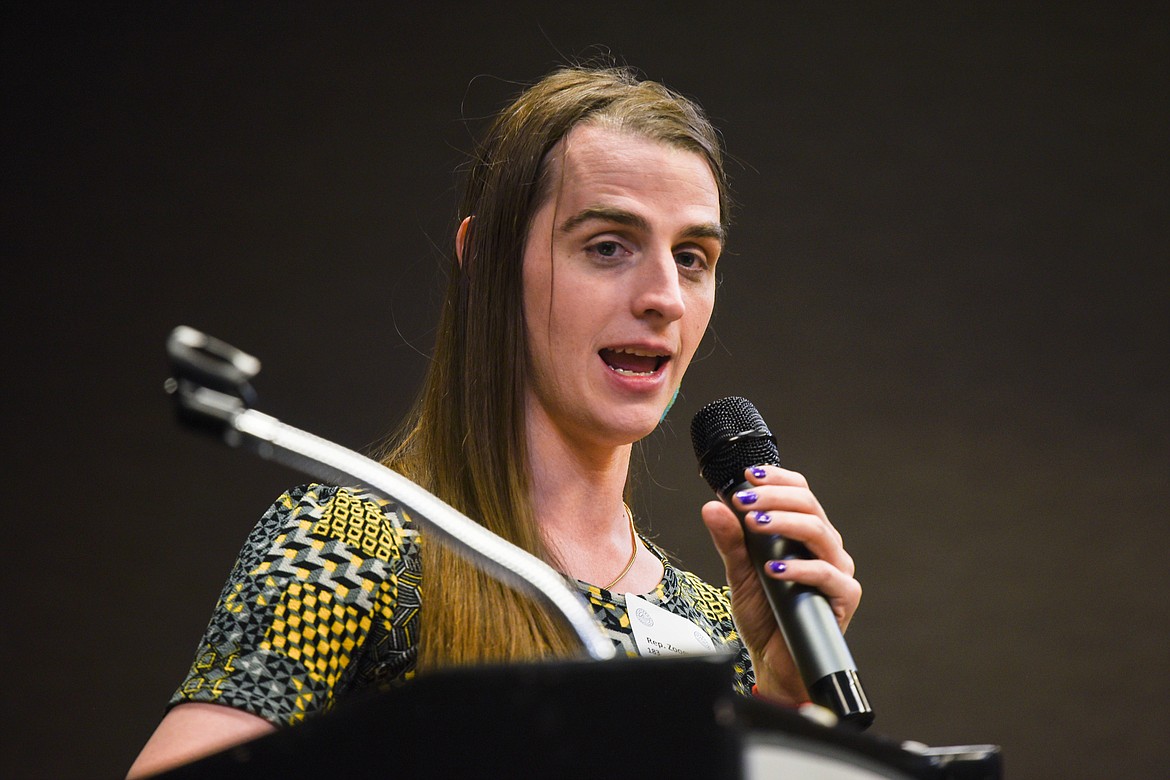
pixel 211 386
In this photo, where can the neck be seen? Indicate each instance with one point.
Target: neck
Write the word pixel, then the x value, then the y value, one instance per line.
pixel 577 495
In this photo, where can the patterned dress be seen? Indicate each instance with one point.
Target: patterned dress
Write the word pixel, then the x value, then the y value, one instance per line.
pixel 324 601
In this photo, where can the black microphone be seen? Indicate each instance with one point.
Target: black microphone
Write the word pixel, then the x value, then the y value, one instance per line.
pixel 729 436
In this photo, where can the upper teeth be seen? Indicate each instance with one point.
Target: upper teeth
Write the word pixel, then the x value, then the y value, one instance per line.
pixel 638 352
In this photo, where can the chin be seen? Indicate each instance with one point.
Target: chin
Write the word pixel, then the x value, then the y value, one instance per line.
pixel 628 428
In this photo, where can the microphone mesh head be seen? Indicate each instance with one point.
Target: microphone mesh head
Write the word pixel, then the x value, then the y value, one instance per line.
pixel 729 436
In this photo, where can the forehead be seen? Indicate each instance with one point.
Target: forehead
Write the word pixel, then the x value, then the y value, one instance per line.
pixel 598 163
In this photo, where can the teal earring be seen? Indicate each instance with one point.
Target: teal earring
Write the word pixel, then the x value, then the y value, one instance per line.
pixel 666 411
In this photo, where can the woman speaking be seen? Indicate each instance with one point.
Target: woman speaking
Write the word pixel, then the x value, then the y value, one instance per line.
pixel 582 281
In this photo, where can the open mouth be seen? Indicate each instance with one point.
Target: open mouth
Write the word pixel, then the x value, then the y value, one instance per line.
pixel 631 361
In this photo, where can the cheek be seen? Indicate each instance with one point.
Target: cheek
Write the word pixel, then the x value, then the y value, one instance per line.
pixel 537 294
pixel 699 313
pixel 697 319
pixel 562 303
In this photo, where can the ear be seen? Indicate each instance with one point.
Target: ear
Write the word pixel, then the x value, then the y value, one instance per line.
pixel 461 237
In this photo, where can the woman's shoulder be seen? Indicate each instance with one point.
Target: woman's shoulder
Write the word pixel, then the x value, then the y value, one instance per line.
pixel 316 499
pixel 318 515
pixel 324 598
pixel 340 505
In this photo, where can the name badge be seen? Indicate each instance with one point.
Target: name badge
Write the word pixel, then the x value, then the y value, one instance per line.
pixel 659 632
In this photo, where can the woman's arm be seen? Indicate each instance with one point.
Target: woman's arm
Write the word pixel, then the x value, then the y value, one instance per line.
pixel 194 730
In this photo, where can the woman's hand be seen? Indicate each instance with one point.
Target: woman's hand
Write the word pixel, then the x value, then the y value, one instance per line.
pixel 779 502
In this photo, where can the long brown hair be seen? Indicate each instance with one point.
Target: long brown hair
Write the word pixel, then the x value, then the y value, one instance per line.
pixel 465 438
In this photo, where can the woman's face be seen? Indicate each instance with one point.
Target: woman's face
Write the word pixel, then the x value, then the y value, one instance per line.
pixel 619 283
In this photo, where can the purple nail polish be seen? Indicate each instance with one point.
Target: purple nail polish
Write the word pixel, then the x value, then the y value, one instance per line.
pixel 758 472
pixel 747 496
pixel 777 567
pixel 762 518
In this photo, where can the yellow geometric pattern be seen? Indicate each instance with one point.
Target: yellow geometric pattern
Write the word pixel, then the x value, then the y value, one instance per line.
pixel 202 679
pixel 711 602
pixel 359 523
pixel 312 628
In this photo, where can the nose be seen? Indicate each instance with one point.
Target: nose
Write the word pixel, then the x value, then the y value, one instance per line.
pixel 658 292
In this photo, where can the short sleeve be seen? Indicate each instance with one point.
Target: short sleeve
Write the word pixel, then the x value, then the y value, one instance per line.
pixel 323 599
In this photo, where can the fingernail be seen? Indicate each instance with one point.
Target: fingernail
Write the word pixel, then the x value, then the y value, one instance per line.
pixel 758 472
pixel 747 496
pixel 761 518
pixel 777 567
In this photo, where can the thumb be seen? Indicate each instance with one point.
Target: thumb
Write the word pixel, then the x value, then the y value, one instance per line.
pixel 725 531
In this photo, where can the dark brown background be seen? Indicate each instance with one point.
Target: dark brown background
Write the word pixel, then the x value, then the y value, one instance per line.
pixel 946 291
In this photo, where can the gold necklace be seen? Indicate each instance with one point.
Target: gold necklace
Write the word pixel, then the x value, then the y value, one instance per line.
pixel 633 555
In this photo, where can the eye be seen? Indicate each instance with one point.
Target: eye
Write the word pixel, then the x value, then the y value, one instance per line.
pixel 607 248
pixel 690 260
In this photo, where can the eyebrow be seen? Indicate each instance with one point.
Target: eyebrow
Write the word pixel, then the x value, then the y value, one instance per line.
pixel 630 219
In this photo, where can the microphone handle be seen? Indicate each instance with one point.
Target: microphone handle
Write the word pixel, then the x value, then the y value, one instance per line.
pixel 809 627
